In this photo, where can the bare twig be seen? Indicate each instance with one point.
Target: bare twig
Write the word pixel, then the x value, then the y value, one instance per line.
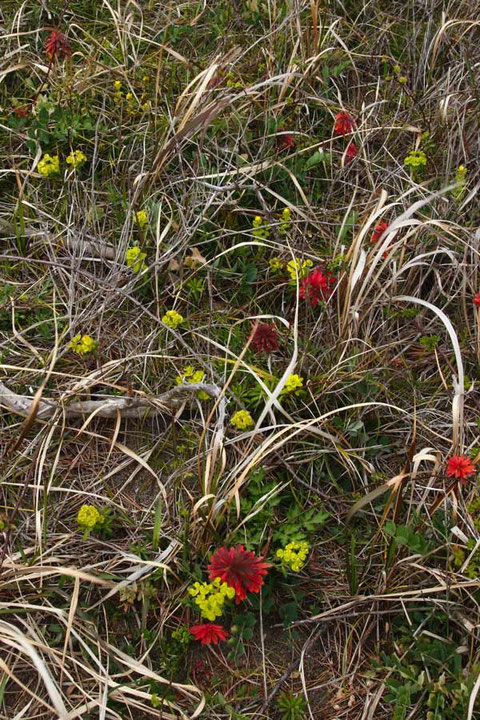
pixel 131 407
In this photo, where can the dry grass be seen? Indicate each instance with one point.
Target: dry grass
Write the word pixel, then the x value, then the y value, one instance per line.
pixel 199 145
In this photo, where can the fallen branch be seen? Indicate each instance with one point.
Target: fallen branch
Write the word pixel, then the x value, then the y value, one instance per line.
pixel 131 407
pixel 95 248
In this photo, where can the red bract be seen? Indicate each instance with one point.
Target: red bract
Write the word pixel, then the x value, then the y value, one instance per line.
pixel 58 46
pixel 379 230
pixel 317 286
pixel 344 123
pixel 240 569
pixel 265 337
pixel 460 467
pixel 476 299
pixel 351 152
pixel 285 142
pixel 209 633
pixel 21 111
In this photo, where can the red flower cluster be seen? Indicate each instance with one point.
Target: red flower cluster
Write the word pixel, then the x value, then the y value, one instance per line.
pixel 58 46
pixel 344 123
pixel 379 230
pixel 209 633
pixel 285 142
pixel 476 299
pixel 317 286
pixel 22 111
pixel 240 569
pixel 351 152
pixel 265 337
pixel 460 467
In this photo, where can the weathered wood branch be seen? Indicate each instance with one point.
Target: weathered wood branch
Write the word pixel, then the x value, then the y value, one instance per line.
pixel 129 407
pixel 92 247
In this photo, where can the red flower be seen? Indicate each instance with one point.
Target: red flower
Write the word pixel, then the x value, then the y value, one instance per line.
pixel 476 299
pixel 240 569
pixel 21 111
pixel 460 467
pixel 265 337
pixel 379 230
pixel 209 633
pixel 285 142
pixel 344 123
pixel 351 152
pixel 317 286
pixel 58 45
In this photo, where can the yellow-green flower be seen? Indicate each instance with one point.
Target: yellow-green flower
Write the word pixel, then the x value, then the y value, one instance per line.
pixel 293 385
pixel 298 267
pixel 242 420
pixel 294 555
pixel 88 516
pixel 90 519
pixel 135 258
pixel 191 376
pixel 76 158
pixel 415 159
pixel 82 344
pixel 461 174
pixel 118 91
pixel 259 229
pixel 49 165
pixel 461 180
pixel 173 319
pixel 286 220
pixel 141 219
pixel 275 264
pixel 211 597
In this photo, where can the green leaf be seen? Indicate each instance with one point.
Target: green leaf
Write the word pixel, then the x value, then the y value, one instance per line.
pixel 318 157
pixel 390 528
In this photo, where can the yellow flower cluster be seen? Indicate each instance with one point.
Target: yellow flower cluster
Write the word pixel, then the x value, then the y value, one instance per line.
pixel 211 597
pixel 242 420
pixel 135 259
pixel 259 230
pixel 141 219
pixel 298 267
pixel 276 264
pixel 191 376
pixel 461 180
pixel 76 158
pixel 132 103
pixel 82 344
pixel 232 83
pixel 286 220
pixel 89 517
pixel 415 159
pixel 118 91
pixel 294 555
pixel 461 176
pixel 293 385
pixel 49 165
pixel 173 319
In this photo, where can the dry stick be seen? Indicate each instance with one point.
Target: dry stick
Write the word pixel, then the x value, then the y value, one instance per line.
pixel 96 248
pixel 132 407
